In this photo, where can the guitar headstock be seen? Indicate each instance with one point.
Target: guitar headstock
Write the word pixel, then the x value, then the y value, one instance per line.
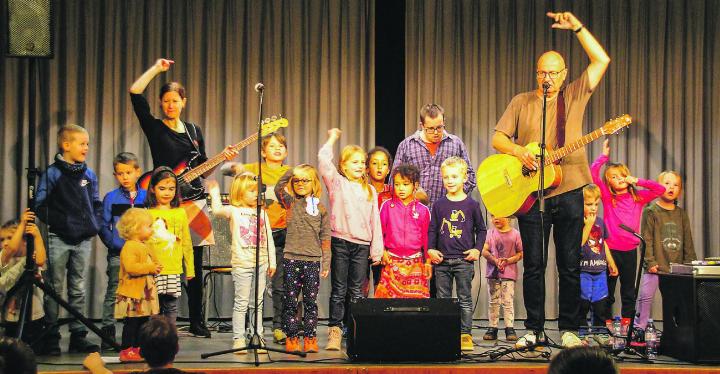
pixel 272 124
pixel 616 124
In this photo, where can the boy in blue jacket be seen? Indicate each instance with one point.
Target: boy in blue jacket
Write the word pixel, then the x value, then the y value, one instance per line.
pixel 68 202
pixel 116 202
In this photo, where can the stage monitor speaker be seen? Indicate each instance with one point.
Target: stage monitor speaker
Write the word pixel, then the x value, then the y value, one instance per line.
pixel 396 330
pixel 29 28
pixel 691 318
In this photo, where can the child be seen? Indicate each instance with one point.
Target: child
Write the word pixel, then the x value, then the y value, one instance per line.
pixel 170 243
pixel 137 297
pixel 274 152
pixel 355 225
pixel 457 230
pixel 243 223
pixel 12 266
pixel 666 229
pixel 378 168
pixel 405 223
pixel 622 204
pixel 307 252
pixel 502 250
pixel 595 261
pixel 116 202
pixel 68 202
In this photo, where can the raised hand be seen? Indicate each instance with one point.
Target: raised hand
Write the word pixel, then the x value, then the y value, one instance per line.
pixel 28 216
pixel 164 64
pixel 631 180
pixel 606 147
pixel 334 133
pixel 564 21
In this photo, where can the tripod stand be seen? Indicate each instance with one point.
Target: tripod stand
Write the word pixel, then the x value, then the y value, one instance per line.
pixel 256 341
pixel 29 280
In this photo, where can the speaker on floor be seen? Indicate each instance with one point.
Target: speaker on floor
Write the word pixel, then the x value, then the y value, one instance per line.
pixel 219 255
pixel 404 330
pixel 29 28
pixel 691 318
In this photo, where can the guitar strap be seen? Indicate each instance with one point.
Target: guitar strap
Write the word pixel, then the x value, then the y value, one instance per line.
pixel 193 142
pixel 560 123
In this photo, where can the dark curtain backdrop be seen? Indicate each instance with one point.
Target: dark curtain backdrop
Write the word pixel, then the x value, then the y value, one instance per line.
pixel 314 57
pixel 472 57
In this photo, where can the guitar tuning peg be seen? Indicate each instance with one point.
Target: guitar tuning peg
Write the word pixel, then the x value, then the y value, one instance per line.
pixel 274 118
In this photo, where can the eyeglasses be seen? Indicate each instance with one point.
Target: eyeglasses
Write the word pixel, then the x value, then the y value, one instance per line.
pixel 434 130
pixel 301 181
pixel 551 74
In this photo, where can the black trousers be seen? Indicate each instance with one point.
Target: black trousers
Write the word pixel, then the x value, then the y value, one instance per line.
pixel 195 289
pixel 626 262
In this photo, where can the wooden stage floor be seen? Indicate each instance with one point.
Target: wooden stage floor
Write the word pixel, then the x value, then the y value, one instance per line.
pixel 336 362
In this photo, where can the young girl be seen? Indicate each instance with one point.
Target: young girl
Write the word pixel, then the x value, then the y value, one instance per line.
pixel 137 297
pixel 307 252
pixel 622 204
pixel 170 243
pixel 405 223
pixel 502 250
pixel 378 168
pixel 355 226
pixel 666 228
pixel 243 228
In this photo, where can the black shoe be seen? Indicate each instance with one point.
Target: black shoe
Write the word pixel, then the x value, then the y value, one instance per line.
pixel 49 348
pixel 108 331
pixel 491 334
pixel 510 334
pixel 199 329
pixel 80 344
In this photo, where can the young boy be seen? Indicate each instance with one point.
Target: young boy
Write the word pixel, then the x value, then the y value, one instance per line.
pixel 116 202
pixel 595 261
pixel 502 250
pixel 274 152
pixel 68 202
pixel 457 230
pixel 12 266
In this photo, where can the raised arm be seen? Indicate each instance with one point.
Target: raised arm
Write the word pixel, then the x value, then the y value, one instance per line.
pixel 599 59
pixel 215 200
pixel 161 65
pixel 327 170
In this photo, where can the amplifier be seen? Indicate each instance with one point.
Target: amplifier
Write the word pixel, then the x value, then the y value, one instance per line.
pixel 218 255
pixel 697 271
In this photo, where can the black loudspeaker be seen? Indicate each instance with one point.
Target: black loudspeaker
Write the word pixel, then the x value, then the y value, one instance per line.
pixel 404 330
pixel 29 28
pixel 220 254
pixel 691 318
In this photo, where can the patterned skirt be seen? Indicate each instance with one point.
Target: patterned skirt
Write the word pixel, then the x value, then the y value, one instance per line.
pixel 169 284
pixel 403 278
pixel 147 306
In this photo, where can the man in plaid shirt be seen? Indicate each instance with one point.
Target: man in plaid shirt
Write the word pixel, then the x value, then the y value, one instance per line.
pixel 428 147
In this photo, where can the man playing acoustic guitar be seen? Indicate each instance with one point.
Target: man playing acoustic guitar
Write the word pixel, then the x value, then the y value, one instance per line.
pixel 521 122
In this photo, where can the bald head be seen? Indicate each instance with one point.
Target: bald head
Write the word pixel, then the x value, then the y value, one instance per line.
pixel 551 58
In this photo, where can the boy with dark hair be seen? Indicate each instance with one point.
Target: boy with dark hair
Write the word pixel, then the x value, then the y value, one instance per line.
pixel 68 202
pixel 116 202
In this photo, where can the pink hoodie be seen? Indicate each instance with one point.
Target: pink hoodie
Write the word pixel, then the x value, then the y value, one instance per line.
pixel 405 228
pixel 352 216
pixel 625 210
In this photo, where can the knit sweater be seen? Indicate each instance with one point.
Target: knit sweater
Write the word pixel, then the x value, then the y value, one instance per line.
pixel 171 244
pixel 134 267
pixel 308 225
pixel 353 217
pixel 405 227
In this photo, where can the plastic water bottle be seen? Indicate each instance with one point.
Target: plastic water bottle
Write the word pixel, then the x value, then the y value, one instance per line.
pixel 651 340
pixel 618 341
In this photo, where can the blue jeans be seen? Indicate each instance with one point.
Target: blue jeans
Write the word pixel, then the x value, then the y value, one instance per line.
pixel 244 294
pixel 349 266
pixel 565 212
pixel 462 272
pixel 113 270
pixel 66 260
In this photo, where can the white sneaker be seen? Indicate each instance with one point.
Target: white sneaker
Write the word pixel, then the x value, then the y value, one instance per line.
pixel 237 344
pixel 570 339
pixel 530 339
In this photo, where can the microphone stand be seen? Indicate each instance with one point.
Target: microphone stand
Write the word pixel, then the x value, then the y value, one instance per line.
pixel 628 348
pixel 256 341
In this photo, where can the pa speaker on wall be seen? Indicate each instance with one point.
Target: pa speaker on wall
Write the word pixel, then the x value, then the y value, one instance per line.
pixel 395 330
pixel 29 28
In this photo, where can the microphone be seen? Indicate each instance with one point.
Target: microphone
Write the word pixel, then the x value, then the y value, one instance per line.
pixel 546 86
pixel 259 87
